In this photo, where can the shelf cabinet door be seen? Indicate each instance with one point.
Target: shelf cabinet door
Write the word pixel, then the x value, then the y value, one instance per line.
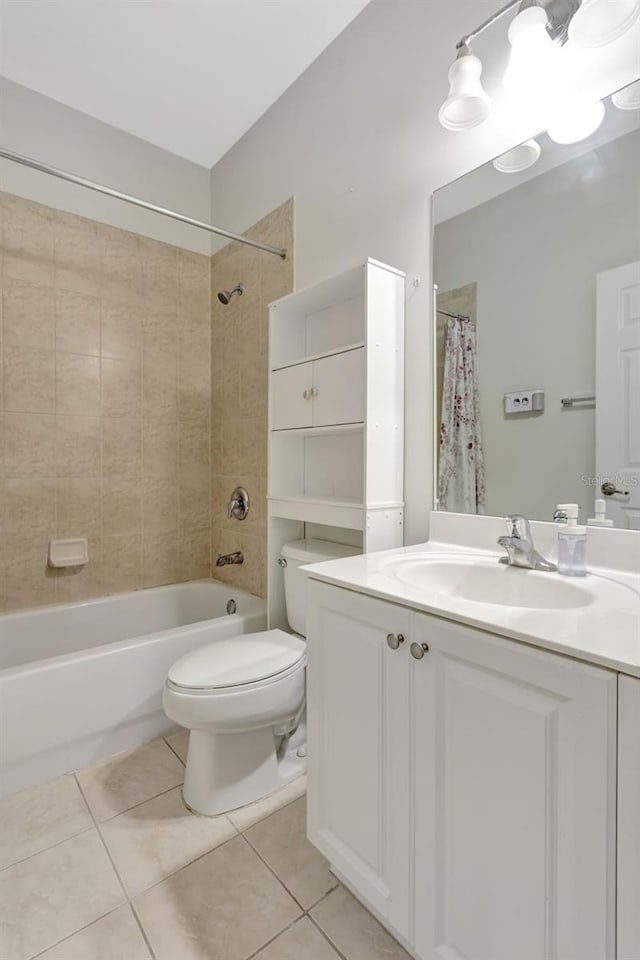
pixel 628 818
pixel 338 382
pixel 514 766
pixel 292 397
pixel 358 735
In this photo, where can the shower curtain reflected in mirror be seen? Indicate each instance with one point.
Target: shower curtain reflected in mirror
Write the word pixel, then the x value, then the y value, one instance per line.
pixel 460 460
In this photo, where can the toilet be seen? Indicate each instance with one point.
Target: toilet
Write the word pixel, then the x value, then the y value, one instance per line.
pixel 243 700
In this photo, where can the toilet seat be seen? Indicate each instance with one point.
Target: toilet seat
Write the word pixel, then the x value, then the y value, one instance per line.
pixel 250 659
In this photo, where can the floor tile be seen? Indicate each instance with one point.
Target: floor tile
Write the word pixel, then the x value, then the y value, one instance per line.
pixel 224 906
pixel 180 743
pixel 281 840
pixel 302 941
pixel 35 819
pixel 114 937
pixel 54 894
pixel 245 817
pixel 156 838
pixel 130 778
pixel 354 931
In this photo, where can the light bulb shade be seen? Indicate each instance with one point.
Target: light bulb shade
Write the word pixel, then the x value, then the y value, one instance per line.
pixel 628 98
pixel 534 64
pixel 576 122
pixel 598 22
pixel 520 158
pixel 468 104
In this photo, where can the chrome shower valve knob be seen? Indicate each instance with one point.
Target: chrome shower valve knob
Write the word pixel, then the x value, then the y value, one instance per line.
pixel 238 506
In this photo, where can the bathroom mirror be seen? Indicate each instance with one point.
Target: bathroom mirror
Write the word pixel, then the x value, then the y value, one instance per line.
pixel 537 332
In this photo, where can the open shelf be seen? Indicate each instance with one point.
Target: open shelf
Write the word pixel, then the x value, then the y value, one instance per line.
pixel 320 356
pixel 326 510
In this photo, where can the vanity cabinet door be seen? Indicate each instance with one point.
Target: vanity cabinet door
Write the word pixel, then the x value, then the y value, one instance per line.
pixel 514 768
pixel 358 737
pixel 628 818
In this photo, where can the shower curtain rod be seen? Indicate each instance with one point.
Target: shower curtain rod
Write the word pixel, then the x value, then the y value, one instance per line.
pixel 90 185
pixel 456 316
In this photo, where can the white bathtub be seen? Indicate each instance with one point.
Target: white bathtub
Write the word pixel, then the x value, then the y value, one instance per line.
pixel 83 681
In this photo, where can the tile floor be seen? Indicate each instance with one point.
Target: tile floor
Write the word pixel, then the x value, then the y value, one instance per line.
pixel 108 864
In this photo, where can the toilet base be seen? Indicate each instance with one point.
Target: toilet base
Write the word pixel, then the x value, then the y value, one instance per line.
pixel 229 770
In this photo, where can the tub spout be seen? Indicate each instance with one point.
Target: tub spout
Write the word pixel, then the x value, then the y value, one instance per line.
pixel 225 558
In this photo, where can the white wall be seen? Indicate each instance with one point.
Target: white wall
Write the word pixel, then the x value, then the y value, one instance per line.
pixel 536 278
pixel 46 130
pixel 357 141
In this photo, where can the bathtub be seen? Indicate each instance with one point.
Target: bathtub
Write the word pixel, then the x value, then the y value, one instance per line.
pixel 82 681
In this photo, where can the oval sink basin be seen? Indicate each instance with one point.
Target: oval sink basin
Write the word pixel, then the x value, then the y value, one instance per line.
pixel 484 580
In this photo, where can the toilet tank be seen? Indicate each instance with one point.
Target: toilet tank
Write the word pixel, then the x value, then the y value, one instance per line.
pixel 298 553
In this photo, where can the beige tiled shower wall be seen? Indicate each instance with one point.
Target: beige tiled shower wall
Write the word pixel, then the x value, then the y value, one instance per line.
pixel 239 367
pixel 105 406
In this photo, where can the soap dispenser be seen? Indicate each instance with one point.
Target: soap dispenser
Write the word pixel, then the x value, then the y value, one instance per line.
pixel 572 544
pixel 600 519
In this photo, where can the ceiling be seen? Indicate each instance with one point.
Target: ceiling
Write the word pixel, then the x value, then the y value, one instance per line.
pixel 190 76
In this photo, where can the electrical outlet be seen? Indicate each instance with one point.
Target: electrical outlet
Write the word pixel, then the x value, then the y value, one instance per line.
pixel 524 401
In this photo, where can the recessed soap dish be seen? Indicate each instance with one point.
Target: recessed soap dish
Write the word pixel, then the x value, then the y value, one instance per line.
pixel 68 553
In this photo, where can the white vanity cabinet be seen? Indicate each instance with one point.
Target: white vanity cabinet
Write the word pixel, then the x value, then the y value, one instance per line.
pixel 359 739
pixel 513 769
pixel 463 785
pixel 629 818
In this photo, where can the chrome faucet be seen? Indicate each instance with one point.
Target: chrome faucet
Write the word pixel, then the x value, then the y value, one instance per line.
pixel 519 546
pixel 226 558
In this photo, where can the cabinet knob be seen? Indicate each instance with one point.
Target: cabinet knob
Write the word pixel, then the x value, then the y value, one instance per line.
pixel 418 650
pixel 307 394
pixel 394 640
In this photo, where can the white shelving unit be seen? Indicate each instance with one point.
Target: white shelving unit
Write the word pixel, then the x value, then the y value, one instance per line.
pixel 336 424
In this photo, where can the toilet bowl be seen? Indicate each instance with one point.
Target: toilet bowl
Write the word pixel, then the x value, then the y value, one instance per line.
pixel 243 698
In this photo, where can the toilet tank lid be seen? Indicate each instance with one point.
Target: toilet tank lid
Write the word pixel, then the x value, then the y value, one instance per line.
pixel 233 661
pixel 315 551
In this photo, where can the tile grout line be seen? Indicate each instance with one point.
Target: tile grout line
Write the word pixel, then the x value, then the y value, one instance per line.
pixel 79 930
pixel 268 943
pixel 116 871
pixel 266 816
pixel 140 804
pixel 272 871
pixel 99 832
pixel 174 751
pixel 142 930
pixel 52 846
pixel 326 936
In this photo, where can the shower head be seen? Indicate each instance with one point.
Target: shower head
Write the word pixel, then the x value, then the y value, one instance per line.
pixel 224 296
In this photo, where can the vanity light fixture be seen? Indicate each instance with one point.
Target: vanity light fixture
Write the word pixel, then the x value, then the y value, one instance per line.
pixel 468 104
pixel 536 60
pixel 598 22
pixel 537 34
pixel 577 122
pixel 520 158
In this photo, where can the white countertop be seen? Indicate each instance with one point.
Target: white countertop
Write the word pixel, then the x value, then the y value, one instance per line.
pixel 605 631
